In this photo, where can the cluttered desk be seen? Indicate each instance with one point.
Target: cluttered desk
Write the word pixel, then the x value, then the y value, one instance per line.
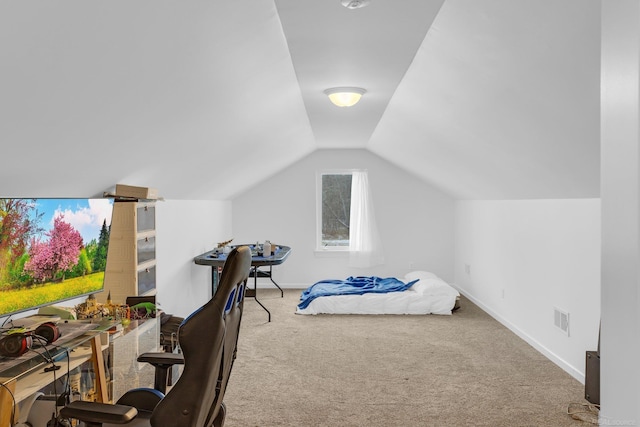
pixel 100 353
pixel 26 366
pixel 276 255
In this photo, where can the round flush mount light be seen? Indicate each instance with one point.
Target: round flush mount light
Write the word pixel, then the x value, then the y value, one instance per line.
pixel 355 4
pixel 345 96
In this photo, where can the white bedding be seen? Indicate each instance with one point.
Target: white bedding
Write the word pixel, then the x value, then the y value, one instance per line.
pixel 429 295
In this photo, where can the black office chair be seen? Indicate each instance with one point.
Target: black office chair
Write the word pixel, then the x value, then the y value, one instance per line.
pixel 208 339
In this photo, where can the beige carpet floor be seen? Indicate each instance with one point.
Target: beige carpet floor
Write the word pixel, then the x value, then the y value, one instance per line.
pixel 345 370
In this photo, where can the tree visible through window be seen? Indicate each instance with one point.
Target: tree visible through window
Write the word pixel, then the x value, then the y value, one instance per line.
pixel 336 209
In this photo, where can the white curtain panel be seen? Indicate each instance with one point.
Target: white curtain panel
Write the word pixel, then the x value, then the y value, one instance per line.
pixel 365 246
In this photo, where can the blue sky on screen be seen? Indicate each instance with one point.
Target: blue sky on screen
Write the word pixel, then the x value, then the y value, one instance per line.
pixel 85 215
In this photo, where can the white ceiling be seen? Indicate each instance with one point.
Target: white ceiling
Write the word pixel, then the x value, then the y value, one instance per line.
pixel 371 48
pixel 481 98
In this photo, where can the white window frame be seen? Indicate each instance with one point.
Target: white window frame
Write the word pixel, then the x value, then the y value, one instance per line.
pixel 319 174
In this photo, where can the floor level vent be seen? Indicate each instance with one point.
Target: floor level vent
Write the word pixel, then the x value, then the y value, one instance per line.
pixel 561 320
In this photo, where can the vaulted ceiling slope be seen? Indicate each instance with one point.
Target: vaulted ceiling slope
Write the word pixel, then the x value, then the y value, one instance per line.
pixel 197 98
pixel 203 99
pixel 502 101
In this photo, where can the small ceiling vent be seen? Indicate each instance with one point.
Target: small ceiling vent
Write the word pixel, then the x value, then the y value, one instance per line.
pixel 355 4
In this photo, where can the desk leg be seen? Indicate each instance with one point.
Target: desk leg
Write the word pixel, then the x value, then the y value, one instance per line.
pixel 274 282
pixel 7 404
pixel 255 291
pixel 256 272
pixel 98 367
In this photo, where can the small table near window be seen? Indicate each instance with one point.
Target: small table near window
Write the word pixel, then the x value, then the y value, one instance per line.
pixel 216 261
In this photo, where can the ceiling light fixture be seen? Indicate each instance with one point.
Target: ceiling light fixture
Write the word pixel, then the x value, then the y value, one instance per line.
pixel 345 96
pixel 355 4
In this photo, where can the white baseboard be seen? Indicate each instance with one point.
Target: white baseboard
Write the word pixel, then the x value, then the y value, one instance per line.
pixel 567 367
pixel 266 284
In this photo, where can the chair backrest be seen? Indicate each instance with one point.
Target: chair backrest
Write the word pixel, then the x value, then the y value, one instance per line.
pixel 208 340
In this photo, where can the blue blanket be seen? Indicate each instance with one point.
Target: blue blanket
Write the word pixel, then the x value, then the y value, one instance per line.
pixel 352 286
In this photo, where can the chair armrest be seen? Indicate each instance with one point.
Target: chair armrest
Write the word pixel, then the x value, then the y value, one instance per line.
pixel 161 358
pixel 162 362
pixel 95 412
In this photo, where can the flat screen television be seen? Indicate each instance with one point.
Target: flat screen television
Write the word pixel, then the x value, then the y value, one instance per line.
pixel 51 250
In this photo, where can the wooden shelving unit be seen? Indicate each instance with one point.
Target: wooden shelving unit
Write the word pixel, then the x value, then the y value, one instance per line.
pixel 131 258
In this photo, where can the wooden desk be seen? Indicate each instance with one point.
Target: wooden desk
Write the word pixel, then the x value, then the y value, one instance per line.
pixel 216 261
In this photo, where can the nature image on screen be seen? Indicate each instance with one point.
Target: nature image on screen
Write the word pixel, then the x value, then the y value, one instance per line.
pixel 51 250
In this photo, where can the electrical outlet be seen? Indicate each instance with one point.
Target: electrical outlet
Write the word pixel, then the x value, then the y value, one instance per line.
pixel 467 269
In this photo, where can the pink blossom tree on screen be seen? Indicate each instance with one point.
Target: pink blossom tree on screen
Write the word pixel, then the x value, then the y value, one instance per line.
pixel 50 259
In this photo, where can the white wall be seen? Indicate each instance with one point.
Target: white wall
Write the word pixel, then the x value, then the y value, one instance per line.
pixel 185 229
pixel 620 193
pixel 527 257
pixel 415 220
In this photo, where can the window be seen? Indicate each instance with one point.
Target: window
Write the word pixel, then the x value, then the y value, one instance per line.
pixel 334 210
pixel 346 217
